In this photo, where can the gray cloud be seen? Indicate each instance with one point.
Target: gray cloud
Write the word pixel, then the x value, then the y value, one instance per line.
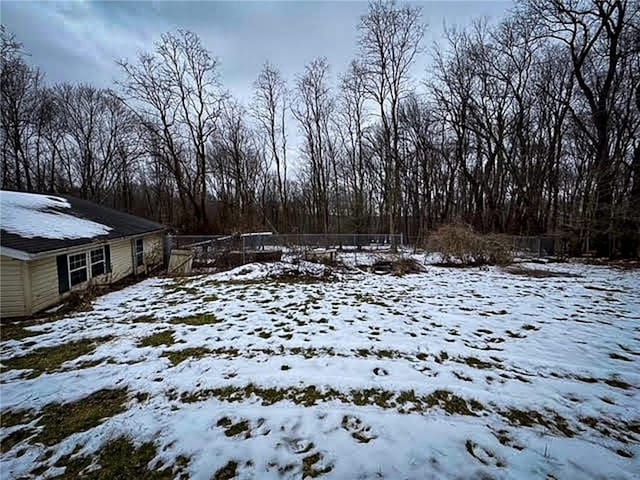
pixel 80 41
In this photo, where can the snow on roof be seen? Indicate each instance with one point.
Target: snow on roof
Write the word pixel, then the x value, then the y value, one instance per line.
pixel 31 215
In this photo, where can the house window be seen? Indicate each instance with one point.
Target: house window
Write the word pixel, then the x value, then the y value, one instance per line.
pixel 97 262
pixel 77 268
pixel 139 252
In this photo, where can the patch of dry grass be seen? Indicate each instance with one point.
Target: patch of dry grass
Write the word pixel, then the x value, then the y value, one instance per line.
pixel 159 338
pixel 197 320
pixel 122 459
pixel 178 356
pixel 50 359
pixel 59 420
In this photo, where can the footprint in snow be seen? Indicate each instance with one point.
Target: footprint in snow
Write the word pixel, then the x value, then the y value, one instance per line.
pixel 360 432
pixel 483 455
pixel 381 372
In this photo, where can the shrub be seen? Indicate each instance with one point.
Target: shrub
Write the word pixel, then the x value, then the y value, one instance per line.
pixel 498 250
pixel 324 258
pixel 461 245
pixel 405 266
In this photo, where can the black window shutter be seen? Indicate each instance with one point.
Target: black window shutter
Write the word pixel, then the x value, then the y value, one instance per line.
pixel 107 258
pixel 63 274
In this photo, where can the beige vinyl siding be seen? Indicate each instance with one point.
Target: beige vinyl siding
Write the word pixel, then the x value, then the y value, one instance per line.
pixel 29 287
pixel 121 259
pixel 44 283
pixel 44 274
pixel 12 291
pixel 152 251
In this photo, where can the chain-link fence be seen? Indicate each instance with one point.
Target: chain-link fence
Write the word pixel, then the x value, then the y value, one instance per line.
pixel 226 250
pixel 330 241
pixel 539 246
pixel 231 250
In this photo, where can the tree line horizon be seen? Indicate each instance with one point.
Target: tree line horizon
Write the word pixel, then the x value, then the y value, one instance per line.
pixel 527 126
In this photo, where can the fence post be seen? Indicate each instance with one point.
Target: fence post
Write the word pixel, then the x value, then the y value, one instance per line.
pixel 168 246
pixel 402 239
pixel 243 257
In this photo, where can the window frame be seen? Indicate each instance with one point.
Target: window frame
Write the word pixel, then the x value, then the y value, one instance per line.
pixel 102 261
pixel 138 255
pixel 88 265
pixel 77 269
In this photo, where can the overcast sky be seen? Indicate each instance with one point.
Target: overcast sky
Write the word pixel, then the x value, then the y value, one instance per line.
pixel 79 41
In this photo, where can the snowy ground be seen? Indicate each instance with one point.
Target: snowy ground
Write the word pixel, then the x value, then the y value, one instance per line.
pixel 452 373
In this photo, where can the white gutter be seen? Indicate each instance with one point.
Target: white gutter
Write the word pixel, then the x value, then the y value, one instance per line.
pixel 17 254
pixel 21 255
pixel 257 234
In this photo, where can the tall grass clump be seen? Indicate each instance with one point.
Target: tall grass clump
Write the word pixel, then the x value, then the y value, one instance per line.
pixel 461 245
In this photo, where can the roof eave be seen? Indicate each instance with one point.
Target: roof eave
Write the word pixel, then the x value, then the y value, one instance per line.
pixel 16 254
pixel 21 255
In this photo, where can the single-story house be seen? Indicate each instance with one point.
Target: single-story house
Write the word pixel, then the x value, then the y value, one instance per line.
pixel 52 245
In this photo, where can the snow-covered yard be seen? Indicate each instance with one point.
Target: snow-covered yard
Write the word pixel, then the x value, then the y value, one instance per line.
pixel 452 373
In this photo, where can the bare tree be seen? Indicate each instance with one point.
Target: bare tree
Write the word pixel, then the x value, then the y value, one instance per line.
pixel 270 104
pixel 353 117
pixel 177 92
pixel 20 87
pixel 313 108
pixel 98 145
pixel 592 32
pixel 390 39
pixel 526 126
pixel 236 156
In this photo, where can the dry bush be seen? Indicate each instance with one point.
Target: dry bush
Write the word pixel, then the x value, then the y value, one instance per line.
pixel 80 301
pixel 233 259
pixel 405 266
pixel 461 245
pixel 456 244
pixel 497 250
pixel 327 259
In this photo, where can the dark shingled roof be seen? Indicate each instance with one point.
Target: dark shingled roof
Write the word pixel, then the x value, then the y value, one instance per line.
pixel 122 225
